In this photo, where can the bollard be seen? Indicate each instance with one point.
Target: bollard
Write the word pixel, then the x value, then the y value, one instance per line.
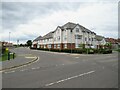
pixel 13 55
pixel 8 55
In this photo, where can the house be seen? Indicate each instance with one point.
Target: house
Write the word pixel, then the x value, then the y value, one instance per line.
pixel 7 44
pixel 100 41
pixel 35 42
pixel 68 36
pixel 113 42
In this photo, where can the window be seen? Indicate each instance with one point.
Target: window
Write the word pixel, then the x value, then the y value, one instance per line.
pixel 38 46
pixel 58 37
pixel 49 45
pixel 65 45
pixel 54 45
pixel 44 46
pixel 77 29
pixel 78 36
pixel 92 39
pixel 58 46
pixel 65 37
pixel 89 39
pixel 85 39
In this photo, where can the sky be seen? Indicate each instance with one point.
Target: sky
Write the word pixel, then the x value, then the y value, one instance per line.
pixel 28 19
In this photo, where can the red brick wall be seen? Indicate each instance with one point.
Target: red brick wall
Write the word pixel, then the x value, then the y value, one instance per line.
pixel 69 45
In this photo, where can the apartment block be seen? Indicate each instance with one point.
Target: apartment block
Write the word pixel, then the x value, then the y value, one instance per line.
pixel 68 36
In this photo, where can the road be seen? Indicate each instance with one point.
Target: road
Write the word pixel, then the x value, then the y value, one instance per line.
pixel 60 70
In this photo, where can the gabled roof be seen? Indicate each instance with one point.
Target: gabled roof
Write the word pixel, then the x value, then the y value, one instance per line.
pixel 69 25
pixel 38 38
pixel 98 37
pixel 111 40
pixel 49 35
pixel 84 29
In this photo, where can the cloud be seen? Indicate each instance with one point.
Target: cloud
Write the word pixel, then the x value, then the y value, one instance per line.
pixel 29 20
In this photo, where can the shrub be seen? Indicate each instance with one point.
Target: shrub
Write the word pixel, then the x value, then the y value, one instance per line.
pixel 106 51
pixel 66 50
pixel 96 50
pixel 90 51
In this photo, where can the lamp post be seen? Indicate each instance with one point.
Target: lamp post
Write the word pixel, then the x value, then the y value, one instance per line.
pixel 9 39
pixel 17 42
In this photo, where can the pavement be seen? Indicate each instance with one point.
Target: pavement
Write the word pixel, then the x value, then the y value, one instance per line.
pixel 60 70
pixel 18 61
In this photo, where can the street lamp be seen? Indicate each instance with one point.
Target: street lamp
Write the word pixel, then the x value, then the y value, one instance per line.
pixel 9 39
pixel 17 42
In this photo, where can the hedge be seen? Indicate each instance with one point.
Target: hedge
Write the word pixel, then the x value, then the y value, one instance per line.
pixel 79 51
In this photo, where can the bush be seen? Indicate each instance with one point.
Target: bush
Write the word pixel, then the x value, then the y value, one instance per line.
pixel 66 50
pixel 80 51
pixel 96 50
pixel 90 51
pixel 106 51
pixel 118 50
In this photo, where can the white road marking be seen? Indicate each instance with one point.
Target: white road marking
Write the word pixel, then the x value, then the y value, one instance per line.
pixel 23 70
pixel 69 78
pixel 37 67
pixel 30 57
pixel 63 64
pixel 33 68
pixel 76 57
pixel 9 72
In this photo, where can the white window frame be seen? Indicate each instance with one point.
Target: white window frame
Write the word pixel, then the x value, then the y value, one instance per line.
pixel 85 38
pixel 49 45
pixel 65 37
pixel 78 36
pixel 65 45
pixel 77 30
pixel 54 45
pixel 58 38
pixel 58 46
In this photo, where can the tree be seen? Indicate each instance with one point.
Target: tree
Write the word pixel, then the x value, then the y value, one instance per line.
pixel 21 45
pixel 29 43
pixel 81 45
pixel 108 45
